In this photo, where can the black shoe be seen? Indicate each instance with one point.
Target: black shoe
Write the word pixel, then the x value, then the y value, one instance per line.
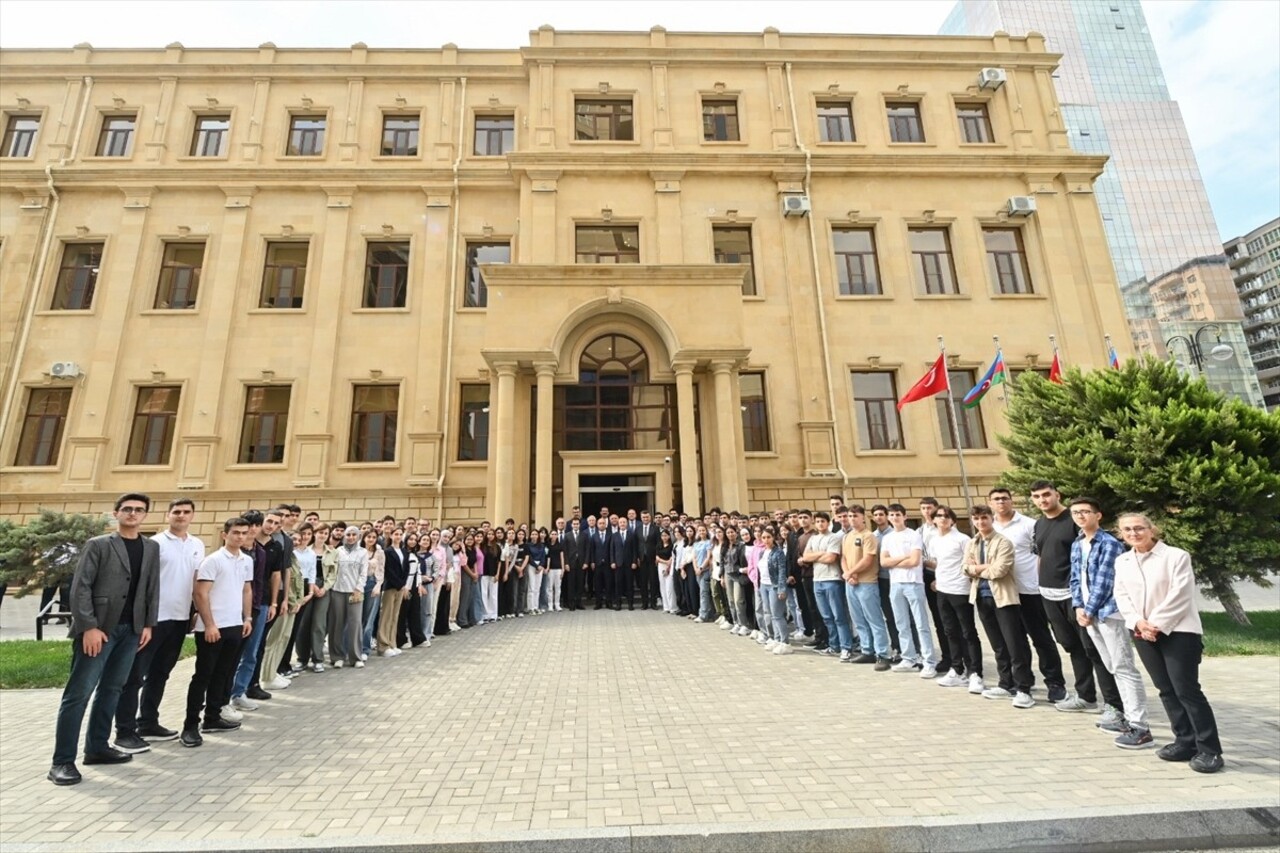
pixel 64 774
pixel 883 665
pixel 1174 752
pixel 191 738
pixel 599 605
pixel 256 692
pixel 1205 762
pixel 617 607
pixel 211 726
pixel 631 605
pixel 156 732
pixel 865 659
pixel 644 606
pixel 1056 693
pixel 111 756
pixel 131 743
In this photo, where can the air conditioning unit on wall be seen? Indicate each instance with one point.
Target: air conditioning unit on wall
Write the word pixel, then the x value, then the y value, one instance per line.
pixel 64 370
pixel 795 205
pixel 991 78
pixel 1021 205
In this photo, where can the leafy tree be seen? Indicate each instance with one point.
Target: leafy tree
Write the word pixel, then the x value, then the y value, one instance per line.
pixel 44 551
pixel 1145 438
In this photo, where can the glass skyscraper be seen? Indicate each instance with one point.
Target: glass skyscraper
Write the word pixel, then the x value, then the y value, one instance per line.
pixel 1173 276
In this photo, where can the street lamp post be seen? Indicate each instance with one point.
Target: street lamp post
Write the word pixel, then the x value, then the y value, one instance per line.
pixel 1219 352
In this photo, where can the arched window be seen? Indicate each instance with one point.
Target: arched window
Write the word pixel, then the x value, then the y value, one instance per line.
pixel 613 406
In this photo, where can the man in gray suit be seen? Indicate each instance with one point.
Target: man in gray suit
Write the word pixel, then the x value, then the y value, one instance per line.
pixel 114 603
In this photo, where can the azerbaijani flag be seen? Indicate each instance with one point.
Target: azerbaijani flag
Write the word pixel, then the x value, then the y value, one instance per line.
pixel 995 374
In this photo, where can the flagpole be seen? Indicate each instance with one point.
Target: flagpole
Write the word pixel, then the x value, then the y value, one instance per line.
pixel 1008 385
pixel 955 426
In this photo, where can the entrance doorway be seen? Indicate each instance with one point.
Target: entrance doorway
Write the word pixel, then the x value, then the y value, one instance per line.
pixel 619 492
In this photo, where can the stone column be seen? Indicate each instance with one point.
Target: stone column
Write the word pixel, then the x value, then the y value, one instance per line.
pixel 542 451
pixel 504 450
pixel 725 375
pixel 688 439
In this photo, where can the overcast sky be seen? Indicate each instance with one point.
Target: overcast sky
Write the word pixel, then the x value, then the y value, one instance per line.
pixel 1221 57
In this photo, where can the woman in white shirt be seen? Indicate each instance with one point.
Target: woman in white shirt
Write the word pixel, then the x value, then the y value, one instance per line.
pixel 946 558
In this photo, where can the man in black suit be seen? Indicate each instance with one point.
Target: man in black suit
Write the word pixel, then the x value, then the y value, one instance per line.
pixel 115 599
pixel 575 558
pixel 622 562
pixel 599 550
pixel 647 538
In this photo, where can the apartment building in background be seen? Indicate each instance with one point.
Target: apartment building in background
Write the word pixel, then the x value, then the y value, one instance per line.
pixel 1255 260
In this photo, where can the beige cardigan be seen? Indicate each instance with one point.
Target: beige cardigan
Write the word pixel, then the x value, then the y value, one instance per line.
pixel 1160 587
pixel 999 572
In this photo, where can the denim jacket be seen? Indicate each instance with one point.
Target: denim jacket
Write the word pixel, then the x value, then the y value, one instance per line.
pixel 776 560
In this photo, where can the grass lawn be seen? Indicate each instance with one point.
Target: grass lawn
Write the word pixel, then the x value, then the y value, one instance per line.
pixel 1224 637
pixel 44 663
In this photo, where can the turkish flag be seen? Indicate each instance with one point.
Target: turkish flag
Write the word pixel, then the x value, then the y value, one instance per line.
pixel 1055 370
pixel 933 382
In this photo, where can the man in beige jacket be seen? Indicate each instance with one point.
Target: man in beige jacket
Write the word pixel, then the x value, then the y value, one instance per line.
pixel 988 561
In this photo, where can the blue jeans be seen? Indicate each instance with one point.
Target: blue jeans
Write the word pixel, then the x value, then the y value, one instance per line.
pixel 864 608
pixel 249 653
pixel 706 610
pixel 835 613
pixel 910 605
pixel 370 607
pixel 107 673
pixel 777 608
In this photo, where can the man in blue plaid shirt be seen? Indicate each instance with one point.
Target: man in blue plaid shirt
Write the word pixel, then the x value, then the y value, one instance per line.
pixel 1093 575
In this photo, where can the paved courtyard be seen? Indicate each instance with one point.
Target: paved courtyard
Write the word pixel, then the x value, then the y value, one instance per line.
pixel 569 724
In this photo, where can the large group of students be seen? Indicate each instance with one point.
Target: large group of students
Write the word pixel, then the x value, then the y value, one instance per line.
pixel 286 594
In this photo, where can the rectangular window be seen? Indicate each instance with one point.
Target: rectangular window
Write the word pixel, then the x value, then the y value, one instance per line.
pixel 755 413
pixel 904 122
pixel 931 259
pixel 603 120
pixel 374 412
pixel 266 422
pixel 856 267
pixel 19 136
pixel 210 137
pixel 972 436
pixel 1006 261
pixel 154 418
pixel 477 294
pixel 720 120
pixel 400 136
pixel 284 275
pixel 306 136
pixel 179 275
pixel 386 275
pixel 77 277
pixel 43 425
pixel 733 246
pixel 606 244
pixel 835 121
pixel 473 424
pixel 116 137
pixel 975 124
pixel 495 135
pixel 875 400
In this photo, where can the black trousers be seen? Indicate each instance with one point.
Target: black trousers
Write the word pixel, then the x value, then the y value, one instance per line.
pixel 149 675
pixel 1008 638
pixel 215 666
pixel 1091 675
pixel 571 587
pixel 962 633
pixel 625 581
pixel 1036 624
pixel 692 593
pixel 609 583
pixel 886 607
pixel 410 628
pixel 1173 662
pixel 946 660
pixel 812 616
pixel 647 581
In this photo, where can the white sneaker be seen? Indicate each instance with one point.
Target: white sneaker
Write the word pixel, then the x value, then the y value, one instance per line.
pixel 454 626
pixel 797 635
pixel 317 667
pixel 243 703
pixel 950 679
pixel 359 664
pixel 719 620
pixel 427 644
pixel 1023 700
pixel 903 666
pixel 394 653
pixel 276 683
pixel 996 693
pixel 364 657
pixel 783 649
pixel 755 635
pixel 698 619
pixel 976 686
pixel 771 645
pixel 845 656
pixel 338 664
pixel 231 714
pixel 929 672
pixel 726 626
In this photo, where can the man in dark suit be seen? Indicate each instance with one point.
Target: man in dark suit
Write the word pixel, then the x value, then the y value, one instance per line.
pixel 575 557
pixel 115 599
pixel 599 550
pixel 647 538
pixel 622 562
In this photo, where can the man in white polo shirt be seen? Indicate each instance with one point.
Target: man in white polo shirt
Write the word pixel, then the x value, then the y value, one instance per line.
pixel 224 608
pixel 138 714
pixel 902 553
